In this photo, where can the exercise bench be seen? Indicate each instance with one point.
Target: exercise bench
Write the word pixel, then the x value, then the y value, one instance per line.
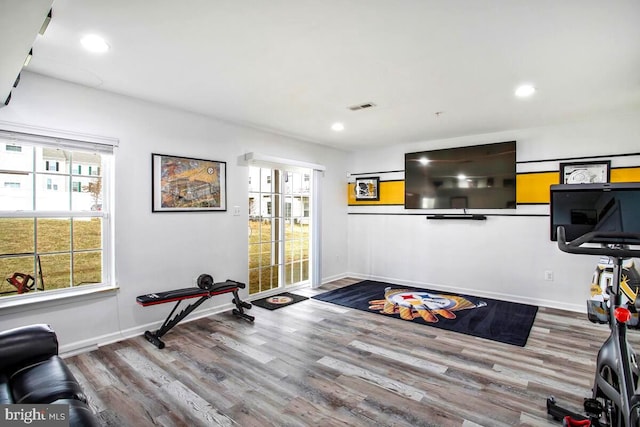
pixel 205 290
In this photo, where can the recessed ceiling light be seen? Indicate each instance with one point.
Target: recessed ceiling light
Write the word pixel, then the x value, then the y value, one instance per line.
pixel 525 90
pixel 337 127
pixel 94 43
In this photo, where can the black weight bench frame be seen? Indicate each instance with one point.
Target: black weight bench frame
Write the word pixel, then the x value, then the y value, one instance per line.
pixel 186 293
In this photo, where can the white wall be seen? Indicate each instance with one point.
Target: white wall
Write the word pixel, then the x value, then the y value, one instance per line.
pixel 163 251
pixel 503 257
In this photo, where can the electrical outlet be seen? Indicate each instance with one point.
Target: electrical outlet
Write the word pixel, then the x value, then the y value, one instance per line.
pixel 236 211
pixel 548 275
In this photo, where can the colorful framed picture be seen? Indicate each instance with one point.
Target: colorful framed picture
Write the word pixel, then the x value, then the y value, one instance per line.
pixel 585 172
pixel 184 184
pixel 367 188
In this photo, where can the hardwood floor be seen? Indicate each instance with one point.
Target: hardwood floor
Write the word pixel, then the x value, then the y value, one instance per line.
pixel 319 364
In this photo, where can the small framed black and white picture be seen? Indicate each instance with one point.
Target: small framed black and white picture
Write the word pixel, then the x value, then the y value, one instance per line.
pixel 367 188
pixel 585 172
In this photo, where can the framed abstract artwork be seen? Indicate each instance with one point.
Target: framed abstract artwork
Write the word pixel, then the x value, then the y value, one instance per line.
pixel 185 184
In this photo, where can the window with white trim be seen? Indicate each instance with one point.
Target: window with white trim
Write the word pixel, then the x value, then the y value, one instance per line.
pixel 14 148
pixel 55 222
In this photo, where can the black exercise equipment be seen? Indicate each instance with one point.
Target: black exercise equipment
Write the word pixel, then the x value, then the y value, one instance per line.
pixel 205 290
pixel 205 281
pixel 615 401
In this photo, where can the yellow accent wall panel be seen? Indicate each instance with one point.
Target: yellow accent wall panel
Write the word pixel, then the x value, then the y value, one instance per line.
pixel 531 188
pixel 625 174
pixel 534 187
pixel 391 193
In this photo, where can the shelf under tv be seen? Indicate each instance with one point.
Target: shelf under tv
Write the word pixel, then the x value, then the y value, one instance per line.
pixel 474 217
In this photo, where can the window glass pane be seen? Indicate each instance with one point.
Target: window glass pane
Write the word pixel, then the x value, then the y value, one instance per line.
pixel 286 177
pixel 266 231
pixel 266 206
pixel 296 251
pixel 254 205
pixel 56 271
pixel 12 265
pixel 287 208
pixel 288 274
pixel 53 160
pixel 87 233
pixel 89 196
pixel 84 163
pixel 254 178
pixel 296 184
pixel 254 256
pixel 297 272
pixel 254 280
pixel 53 234
pixel 267 184
pixel 269 278
pixel 266 254
pixel 16 191
pixel 52 192
pixel 17 160
pixel 16 236
pixel 254 230
pixel 87 268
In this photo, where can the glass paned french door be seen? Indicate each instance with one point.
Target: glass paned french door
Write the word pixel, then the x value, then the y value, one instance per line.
pixel 279 224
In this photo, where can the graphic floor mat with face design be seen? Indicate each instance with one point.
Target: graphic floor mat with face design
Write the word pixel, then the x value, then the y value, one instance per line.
pixel 278 301
pixel 496 320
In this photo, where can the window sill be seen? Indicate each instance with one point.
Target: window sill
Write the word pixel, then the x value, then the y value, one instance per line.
pixel 56 297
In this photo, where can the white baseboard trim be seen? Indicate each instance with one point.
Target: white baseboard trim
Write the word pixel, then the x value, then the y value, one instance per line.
pixel 579 308
pixel 78 347
pixel 334 277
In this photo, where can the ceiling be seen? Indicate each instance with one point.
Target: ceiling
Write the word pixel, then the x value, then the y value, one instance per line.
pixel 433 68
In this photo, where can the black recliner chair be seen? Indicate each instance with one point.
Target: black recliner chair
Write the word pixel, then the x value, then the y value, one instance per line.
pixel 31 372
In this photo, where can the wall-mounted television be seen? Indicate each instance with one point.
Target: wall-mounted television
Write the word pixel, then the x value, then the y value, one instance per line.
pixel 474 177
pixel 582 208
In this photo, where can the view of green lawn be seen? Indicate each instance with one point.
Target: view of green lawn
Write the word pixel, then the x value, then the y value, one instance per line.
pixel 22 238
pixel 263 270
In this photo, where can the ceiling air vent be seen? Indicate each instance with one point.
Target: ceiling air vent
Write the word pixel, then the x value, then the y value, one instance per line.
pixel 362 106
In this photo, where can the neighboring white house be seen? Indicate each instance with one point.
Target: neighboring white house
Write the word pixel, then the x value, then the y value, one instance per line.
pixel 53 173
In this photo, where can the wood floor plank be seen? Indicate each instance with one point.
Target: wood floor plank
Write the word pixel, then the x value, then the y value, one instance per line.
pixel 320 364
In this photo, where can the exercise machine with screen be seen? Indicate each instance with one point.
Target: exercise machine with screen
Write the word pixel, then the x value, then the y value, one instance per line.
pixel 604 220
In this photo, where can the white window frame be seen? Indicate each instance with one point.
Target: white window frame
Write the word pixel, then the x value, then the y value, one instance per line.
pixel 28 135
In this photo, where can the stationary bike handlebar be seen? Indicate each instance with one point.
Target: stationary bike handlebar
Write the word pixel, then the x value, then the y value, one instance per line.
pixel 575 246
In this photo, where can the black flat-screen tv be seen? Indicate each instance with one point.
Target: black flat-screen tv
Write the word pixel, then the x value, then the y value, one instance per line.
pixel 582 208
pixel 474 177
